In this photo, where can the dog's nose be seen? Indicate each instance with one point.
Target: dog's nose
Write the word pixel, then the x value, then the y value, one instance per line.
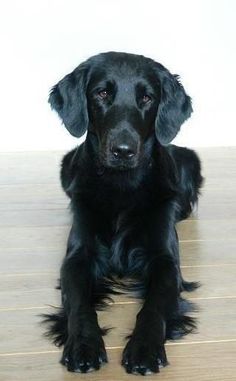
pixel 123 151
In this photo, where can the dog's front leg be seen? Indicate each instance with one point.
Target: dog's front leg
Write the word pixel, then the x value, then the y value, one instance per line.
pixel 84 349
pixel 145 352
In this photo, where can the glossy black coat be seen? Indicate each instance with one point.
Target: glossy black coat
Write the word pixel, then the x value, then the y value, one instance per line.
pixel 125 208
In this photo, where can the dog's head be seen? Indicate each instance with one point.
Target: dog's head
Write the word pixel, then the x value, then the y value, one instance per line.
pixel 123 100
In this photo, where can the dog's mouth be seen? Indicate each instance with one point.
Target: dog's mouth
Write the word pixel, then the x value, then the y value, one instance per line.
pixel 119 165
pixel 109 161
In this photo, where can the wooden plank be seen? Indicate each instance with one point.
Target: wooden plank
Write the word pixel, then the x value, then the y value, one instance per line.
pixel 220 153
pixel 27 291
pixel 207 253
pixel 207 230
pixel 56 236
pixel 21 216
pixel 211 321
pixel 38 289
pixel 215 203
pixel 221 182
pixel 19 168
pixel 32 197
pixel 216 281
pixel 21 332
pixel 47 206
pixel 28 260
pixel 52 237
pixel 50 217
pixel 36 259
pixel 30 167
pixel 205 362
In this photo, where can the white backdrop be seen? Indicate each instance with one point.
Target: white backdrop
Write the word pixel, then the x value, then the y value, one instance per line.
pixel 43 40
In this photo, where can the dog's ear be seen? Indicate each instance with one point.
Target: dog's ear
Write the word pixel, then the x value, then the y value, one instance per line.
pixel 174 108
pixel 68 98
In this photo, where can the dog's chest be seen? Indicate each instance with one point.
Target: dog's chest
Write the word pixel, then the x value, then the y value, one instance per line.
pixel 125 235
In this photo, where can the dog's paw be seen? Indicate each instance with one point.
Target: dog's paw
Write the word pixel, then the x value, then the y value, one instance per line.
pixel 83 356
pixel 140 357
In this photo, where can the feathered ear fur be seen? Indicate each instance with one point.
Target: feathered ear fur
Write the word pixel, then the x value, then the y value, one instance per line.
pixel 175 106
pixel 68 98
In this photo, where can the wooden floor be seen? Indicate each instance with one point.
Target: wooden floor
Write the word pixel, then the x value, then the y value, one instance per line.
pixel 34 223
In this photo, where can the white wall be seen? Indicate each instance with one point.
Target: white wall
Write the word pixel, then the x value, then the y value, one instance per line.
pixel 45 39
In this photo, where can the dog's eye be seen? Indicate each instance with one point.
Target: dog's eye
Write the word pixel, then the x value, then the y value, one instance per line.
pixel 146 99
pixel 103 94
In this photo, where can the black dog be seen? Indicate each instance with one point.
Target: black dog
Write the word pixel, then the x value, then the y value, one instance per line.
pixel 128 188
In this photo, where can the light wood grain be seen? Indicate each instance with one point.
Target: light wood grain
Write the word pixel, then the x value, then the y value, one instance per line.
pixel 21 332
pixel 36 259
pixel 215 203
pixel 18 197
pixel 18 260
pixel 35 213
pixel 56 236
pixel 37 289
pixel 42 237
pixel 202 253
pixel 207 230
pixel 30 167
pixel 205 362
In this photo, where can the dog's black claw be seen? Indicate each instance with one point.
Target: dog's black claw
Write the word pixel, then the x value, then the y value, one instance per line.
pixel 143 359
pixel 84 358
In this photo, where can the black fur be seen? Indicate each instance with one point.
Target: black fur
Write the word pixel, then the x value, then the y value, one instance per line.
pixel 127 190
